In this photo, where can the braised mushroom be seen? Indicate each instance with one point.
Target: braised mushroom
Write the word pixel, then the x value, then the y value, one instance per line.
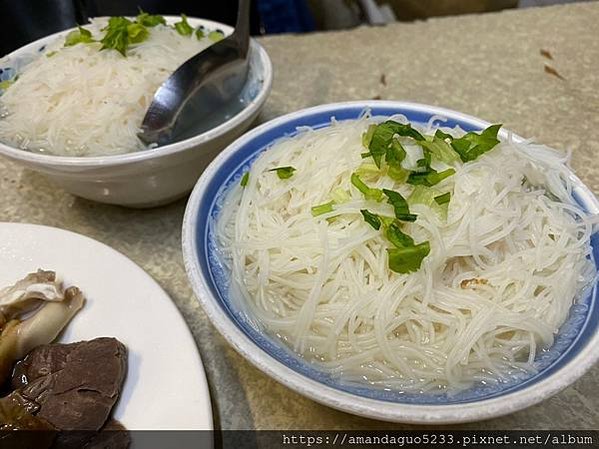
pixel 33 312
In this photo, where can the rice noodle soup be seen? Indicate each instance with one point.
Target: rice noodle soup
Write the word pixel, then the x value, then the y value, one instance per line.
pixel 408 257
pixel 86 94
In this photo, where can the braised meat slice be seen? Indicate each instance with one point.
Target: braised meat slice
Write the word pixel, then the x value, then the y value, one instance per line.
pixel 75 385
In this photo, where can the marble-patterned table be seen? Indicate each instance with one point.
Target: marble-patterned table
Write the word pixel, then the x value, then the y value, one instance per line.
pixel 486 65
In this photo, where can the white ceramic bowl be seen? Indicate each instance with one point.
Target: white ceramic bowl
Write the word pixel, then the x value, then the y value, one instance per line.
pixel 151 177
pixel 573 353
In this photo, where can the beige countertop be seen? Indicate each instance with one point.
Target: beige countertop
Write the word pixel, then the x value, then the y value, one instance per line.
pixel 486 65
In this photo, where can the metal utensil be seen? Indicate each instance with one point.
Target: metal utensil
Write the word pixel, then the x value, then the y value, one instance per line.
pixel 202 85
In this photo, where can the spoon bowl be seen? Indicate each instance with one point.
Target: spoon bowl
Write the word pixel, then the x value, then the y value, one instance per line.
pixel 201 87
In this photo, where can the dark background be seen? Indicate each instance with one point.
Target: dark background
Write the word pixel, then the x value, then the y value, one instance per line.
pixel 23 21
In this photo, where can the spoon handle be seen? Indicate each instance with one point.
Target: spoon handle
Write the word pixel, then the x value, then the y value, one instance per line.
pixel 242 27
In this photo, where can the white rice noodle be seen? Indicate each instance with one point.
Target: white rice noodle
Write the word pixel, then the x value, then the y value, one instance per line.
pixel 81 101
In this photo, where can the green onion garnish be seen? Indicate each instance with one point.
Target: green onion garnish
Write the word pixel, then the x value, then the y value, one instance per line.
pixel 372 219
pixel 429 178
pixel 368 192
pixel 149 20
pixel 183 28
pixel 78 36
pixel 216 36
pixel 400 205
pixel 472 145
pixel 284 172
pixel 443 199
pixel 245 179
pixel 379 138
pixel 408 258
pixel 322 208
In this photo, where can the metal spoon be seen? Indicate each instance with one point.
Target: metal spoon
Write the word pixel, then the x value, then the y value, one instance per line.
pixel 202 85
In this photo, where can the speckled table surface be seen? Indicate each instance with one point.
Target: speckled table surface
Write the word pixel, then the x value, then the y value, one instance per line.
pixel 489 65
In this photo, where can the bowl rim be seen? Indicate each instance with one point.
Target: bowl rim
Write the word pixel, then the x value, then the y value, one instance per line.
pixel 372 408
pixel 266 70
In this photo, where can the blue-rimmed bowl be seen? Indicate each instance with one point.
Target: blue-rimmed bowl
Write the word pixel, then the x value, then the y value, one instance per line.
pixel 573 352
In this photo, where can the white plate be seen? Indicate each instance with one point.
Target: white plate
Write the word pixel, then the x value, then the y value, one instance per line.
pixel 166 386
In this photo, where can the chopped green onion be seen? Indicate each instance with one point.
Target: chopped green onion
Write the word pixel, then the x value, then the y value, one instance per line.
pixel 367 136
pixel 383 135
pixel 429 178
pixel 372 219
pixel 200 34
pixel 322 208
pixel 284 172
pixel 395 153
pixel 397 237
pixel 400 205
pixel 398 174
pixel 404 130
pixel 429 196
pixel 423 195
pixel 369 193
pixel 441 150
pixel 245 179
pixel 149 20
pixel 443 199
pixel 394 156
pixel 78 36
pixel 137 33
pixel 183 28
pixel 387 221
pixel 216 36
pixel 51 53
pixel 472 145
pixel 443 135
pixel 424 164
pixel 368 169
pixel 379 141
pixel 117 35
pixel 408 258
